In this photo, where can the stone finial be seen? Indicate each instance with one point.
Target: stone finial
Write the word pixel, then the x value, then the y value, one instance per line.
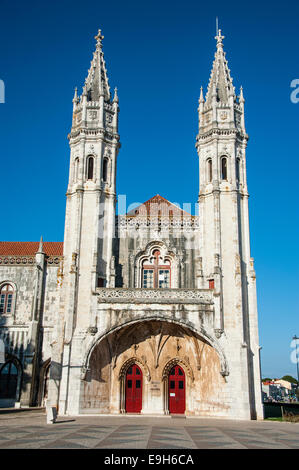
pixel 115 99
pixel 40 247
pixel 241 97
pixel 99 37
pixel 201 98
pixel 75 99
pixel 219 38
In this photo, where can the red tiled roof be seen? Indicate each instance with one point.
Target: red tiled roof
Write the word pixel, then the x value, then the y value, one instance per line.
pixel 158 206
pixel 30 248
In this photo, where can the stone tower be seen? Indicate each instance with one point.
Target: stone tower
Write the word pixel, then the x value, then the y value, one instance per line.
pixel 90 208
pixel 224 227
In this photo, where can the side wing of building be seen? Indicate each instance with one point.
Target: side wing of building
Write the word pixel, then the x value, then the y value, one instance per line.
pixel 29 279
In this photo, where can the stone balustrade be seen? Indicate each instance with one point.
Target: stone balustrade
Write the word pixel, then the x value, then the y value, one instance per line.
pixel 154 296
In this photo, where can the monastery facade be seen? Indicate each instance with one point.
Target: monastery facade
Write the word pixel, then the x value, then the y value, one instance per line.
pixel 152 312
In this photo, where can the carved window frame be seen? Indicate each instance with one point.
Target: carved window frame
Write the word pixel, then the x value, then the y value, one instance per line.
pixel 6 314
pixel 209 164
pixel 105 170
pixel 155 267
pixel 76 170
pixel 90 177
pixel 224 168
pixel 168 260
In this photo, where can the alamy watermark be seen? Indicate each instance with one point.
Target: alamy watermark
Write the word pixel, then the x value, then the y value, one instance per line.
pixel 2 92
pixel 295 93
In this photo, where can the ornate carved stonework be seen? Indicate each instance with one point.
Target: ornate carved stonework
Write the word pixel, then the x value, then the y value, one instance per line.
pixel 93 115
pixel 27 260
pixel 173 362
pixel 151 296
pixel 131 361
pixel 92 330
pixel 218 333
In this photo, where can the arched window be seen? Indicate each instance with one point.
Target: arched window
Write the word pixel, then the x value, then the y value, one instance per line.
pixel 8 380
pixel 209 170
pixel 238 169
pixel 105 170
pixel 76 169
pixel 156 273
pixel 224 168
pixel 6 298
pixel 90 165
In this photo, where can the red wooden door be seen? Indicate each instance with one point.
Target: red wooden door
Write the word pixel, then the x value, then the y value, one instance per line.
pixel 133 389
pixel 176 390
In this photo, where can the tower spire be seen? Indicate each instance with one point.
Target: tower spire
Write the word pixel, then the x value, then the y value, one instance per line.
pixel 97 82
pixel 220 74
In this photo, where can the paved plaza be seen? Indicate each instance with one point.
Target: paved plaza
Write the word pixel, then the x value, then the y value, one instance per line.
pixel 28 430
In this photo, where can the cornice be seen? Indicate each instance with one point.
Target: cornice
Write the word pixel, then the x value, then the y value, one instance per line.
pixel 223 133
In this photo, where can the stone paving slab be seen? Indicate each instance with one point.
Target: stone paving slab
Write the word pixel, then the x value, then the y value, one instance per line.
pixel 29 431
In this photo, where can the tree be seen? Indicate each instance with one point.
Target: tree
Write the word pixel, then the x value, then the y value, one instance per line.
pixel 290 379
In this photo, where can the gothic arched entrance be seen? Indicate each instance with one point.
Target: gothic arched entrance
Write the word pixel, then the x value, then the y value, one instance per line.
pixel 133 389
pixel 176 390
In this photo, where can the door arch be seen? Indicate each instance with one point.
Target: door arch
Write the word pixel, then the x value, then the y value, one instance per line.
pixel 133 384
pixel 9 381
pixel 177 390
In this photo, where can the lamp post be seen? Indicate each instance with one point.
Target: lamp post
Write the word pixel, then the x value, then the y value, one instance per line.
pixel 297 360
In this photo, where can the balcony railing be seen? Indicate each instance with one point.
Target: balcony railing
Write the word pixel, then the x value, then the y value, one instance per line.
pixel 154 296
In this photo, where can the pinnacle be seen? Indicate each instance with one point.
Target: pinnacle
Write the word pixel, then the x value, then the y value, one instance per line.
pixel 99 37
pixel 40 248
pixel 96 83
pixel 220 84
pixel 219 38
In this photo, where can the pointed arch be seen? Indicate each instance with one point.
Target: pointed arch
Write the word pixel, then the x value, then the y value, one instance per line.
pixel 76 170
pixel 177 361
pixel 11 378
pixel 204 333
pixel 209 170
pixel 223 167
pixel 44 376
pixel 122 378
pixel 105 169
pixel 90 167
pixel 8 291
pixel 134 360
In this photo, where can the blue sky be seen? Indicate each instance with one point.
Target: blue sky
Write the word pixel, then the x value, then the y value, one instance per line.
pixel 158 54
